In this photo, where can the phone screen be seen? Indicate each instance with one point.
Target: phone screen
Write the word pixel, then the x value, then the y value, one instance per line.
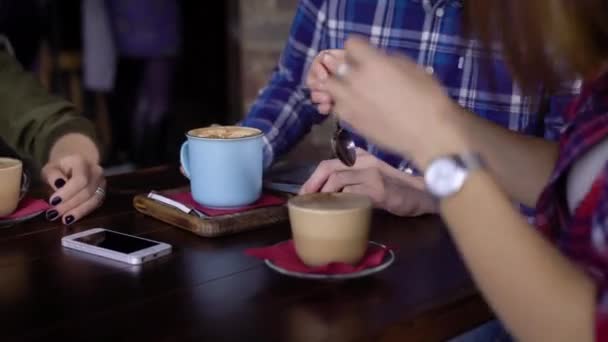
pixel 116 242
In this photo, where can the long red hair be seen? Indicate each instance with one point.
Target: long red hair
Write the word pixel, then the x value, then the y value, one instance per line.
pixel 544 41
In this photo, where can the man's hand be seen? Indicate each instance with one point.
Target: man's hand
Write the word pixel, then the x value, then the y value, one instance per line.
pixel 320 71
pixel 389 189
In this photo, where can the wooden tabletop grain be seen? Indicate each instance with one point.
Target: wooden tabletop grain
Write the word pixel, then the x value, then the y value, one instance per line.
pixel 208 290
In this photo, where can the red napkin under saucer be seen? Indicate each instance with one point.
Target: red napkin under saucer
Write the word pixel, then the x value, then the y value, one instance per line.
pixel 284 255
pixel 27 206
pixel 266 200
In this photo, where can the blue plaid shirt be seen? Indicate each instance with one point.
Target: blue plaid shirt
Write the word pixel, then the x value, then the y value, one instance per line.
pixel 427 31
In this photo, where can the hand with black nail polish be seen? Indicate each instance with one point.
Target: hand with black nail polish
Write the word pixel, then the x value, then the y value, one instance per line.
pixel 55 201
pixel 69 219
pixel 74 173
pixel 52 215
pixel 59 183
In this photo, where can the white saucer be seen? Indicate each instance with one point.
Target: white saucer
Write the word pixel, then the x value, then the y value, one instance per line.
pixel 389 258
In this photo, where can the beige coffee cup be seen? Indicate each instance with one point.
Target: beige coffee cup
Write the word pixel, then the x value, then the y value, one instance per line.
pixel 330 227
pixel 10 185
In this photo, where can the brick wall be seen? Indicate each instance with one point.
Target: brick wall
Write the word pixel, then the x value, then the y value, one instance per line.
pixel 264 28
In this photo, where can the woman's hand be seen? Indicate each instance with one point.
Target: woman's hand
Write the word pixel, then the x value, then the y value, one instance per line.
pixel 395 103
pixel 74 173
pixel 389 189
pixel 319 72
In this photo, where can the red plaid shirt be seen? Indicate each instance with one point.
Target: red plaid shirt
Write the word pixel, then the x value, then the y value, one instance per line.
pixel 582 235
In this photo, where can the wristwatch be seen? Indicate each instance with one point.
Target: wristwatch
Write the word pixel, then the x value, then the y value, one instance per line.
pixel 446 175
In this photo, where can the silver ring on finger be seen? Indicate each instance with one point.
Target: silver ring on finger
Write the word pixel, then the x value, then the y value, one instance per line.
pixel 101 192
pixel 342 70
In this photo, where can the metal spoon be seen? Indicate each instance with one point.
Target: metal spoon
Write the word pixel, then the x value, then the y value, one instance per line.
pixel 344 146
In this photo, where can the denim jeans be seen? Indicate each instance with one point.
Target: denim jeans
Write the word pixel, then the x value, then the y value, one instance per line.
pixel 492 331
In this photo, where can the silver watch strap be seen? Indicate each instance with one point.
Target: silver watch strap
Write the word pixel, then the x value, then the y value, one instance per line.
pixel 470 161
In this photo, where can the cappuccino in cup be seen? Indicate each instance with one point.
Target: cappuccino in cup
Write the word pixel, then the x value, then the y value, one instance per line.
pixel 10 185
pixel 330 227
pixel 224 132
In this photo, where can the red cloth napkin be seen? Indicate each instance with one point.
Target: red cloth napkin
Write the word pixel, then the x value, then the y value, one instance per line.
pixel 266 200
pixel 284 255
pixel 27 206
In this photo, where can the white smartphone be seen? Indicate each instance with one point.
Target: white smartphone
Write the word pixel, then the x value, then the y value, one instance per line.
pixel 118 246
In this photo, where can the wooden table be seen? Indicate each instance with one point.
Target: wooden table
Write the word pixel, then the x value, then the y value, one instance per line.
pixel 209 290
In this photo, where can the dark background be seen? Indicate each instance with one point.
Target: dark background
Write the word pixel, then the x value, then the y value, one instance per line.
pixel 204 90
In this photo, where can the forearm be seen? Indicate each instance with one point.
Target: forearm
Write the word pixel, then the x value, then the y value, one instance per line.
pixel 285 114
pixel 520 164
pixel 75 143
pixel 283 110
pixel 416 200
pixel 535 290
pixel 30 118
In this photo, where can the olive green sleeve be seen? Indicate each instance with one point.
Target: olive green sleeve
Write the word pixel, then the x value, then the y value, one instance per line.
pixel 30 118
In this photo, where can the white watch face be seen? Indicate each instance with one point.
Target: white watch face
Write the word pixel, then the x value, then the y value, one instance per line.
pixel 444 177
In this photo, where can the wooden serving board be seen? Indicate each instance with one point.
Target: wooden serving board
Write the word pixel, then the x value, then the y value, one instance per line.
pixel 212 226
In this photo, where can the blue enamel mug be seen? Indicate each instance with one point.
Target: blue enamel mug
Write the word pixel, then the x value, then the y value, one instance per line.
pixel 224 165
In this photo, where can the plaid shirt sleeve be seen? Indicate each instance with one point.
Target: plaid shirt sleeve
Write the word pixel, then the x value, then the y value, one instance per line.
pixel 558 104
pixel 283 110
pixel 596 202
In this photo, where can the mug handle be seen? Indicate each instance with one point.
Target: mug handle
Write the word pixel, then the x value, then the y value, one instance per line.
pixel 183 158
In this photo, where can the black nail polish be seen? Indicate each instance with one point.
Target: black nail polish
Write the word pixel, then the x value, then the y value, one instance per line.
pixel 59 183
pixel 55 201
pixel 69 219
pixel 51 215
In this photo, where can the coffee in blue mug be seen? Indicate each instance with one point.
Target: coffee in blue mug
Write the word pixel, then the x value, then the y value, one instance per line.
pixel 224 165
